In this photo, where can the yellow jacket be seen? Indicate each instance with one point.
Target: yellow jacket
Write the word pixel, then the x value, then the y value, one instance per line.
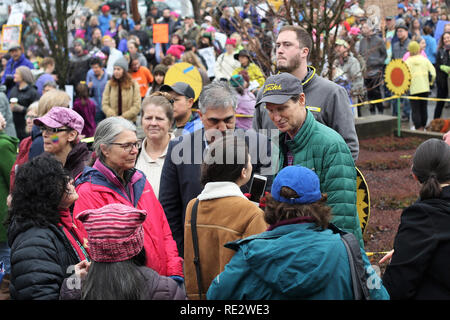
pixel 420 68
pixel 254 73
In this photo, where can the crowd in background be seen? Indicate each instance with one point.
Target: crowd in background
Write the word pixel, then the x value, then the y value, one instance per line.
pixel 61 191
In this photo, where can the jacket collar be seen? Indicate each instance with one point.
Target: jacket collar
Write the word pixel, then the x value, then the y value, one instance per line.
pixel 309 76
pixel 297 220
pixel 216 190
pixel 302 137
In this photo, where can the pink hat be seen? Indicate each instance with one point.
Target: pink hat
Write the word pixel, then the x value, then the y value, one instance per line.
pixel 80 33
pixel 354 31
pixel 105 8
pixel 174 14
pixel 231 41
pixel 176 50
pixel 115 232
pixel 59 117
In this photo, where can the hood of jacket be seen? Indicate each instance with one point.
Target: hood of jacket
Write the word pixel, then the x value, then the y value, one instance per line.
pixel 104 177
pixel 296 259
pixel 310 76
pixel 77 158
pixel 13 142
pixel 222 189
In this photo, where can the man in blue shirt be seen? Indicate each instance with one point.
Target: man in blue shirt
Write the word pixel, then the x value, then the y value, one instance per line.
pixel 104 19
pixel 17 59
pixel 127 23
pixel 96 80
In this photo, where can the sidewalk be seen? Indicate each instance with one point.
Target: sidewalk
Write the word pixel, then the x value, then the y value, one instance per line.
pixel 365 112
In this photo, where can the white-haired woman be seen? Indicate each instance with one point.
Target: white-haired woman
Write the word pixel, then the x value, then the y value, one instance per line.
pixel 113 179
pixel 26 94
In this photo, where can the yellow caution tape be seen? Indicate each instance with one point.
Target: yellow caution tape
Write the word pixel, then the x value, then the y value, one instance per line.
pixel 396 97
pixel 369 254
pixel 88 140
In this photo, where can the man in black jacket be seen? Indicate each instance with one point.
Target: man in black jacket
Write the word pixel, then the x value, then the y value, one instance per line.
pixel 180 179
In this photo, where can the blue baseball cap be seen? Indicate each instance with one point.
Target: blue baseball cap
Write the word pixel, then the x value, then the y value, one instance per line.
pixel 303 181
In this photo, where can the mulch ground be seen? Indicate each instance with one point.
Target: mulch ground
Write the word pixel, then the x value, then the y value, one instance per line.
pixel 386 165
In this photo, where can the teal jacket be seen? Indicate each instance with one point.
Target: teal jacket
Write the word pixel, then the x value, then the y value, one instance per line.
pixel 324 151
pixel 294 261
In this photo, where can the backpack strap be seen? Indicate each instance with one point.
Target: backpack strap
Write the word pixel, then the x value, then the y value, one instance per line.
pixel 357 270
pixel 196 249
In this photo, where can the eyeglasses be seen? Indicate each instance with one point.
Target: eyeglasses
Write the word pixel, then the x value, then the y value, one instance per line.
pixel 129 146
pixel 30 117
pixel 53 130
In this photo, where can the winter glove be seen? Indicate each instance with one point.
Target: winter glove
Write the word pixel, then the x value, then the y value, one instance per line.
pixel 262 201
pixel 445 68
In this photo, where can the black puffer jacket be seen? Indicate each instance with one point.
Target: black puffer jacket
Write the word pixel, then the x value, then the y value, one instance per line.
pixel 40 258
pixel 158 288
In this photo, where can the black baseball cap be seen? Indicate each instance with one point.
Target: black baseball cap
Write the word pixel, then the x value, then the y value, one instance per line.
pixel 278 89
pixel 242 53
pixel 181 88
pixel 402 26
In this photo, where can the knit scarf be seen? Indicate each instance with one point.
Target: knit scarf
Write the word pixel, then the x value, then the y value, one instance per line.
pixel 73 234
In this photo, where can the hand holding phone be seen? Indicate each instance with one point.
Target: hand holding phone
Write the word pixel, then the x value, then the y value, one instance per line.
pixel 257 188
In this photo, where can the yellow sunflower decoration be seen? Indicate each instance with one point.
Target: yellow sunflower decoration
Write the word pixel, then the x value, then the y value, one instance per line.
pixel 397 77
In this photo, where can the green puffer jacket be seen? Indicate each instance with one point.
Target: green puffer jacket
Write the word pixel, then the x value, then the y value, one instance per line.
pixel 323 150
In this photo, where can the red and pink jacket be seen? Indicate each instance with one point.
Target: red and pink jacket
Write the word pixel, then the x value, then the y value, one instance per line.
pixel 99 186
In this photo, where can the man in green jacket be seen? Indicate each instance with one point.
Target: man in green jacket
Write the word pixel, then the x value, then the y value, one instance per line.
pixel 304 141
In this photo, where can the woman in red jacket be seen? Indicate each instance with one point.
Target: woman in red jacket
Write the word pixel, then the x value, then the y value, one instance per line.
pixel 113 179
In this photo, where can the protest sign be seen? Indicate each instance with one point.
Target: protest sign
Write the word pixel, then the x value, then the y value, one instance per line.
pixel 210 58
pixel 185 72
pixel 11 34
pixel 439 30
pixel 160 33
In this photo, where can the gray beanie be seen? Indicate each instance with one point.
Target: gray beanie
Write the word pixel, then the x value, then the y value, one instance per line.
pixel 122 62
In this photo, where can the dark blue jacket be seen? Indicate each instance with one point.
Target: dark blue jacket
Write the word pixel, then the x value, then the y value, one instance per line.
pixel 180 179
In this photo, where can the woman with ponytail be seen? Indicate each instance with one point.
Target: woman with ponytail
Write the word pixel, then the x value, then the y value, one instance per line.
pixel 420 262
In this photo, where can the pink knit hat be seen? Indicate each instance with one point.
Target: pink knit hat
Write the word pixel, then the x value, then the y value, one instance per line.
pixel 59 117
pixel 176 50
pixel 115 232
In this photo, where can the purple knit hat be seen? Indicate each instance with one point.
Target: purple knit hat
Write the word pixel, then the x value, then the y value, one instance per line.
pixel 115 232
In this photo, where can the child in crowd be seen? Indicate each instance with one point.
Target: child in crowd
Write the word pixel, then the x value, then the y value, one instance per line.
pixel 86 108
pixel 159 73
pixel 246 100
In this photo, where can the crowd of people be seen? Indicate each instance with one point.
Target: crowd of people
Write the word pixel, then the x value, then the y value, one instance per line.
pixel 160 204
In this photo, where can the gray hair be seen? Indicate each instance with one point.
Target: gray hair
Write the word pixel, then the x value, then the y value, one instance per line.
pixel 107 131
pixel 50 83
pixel 26 74
pixel 123 34
pixel 217 94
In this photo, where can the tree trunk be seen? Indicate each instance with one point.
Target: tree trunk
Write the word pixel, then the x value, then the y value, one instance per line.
pixel 54 20
pixel 135 11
